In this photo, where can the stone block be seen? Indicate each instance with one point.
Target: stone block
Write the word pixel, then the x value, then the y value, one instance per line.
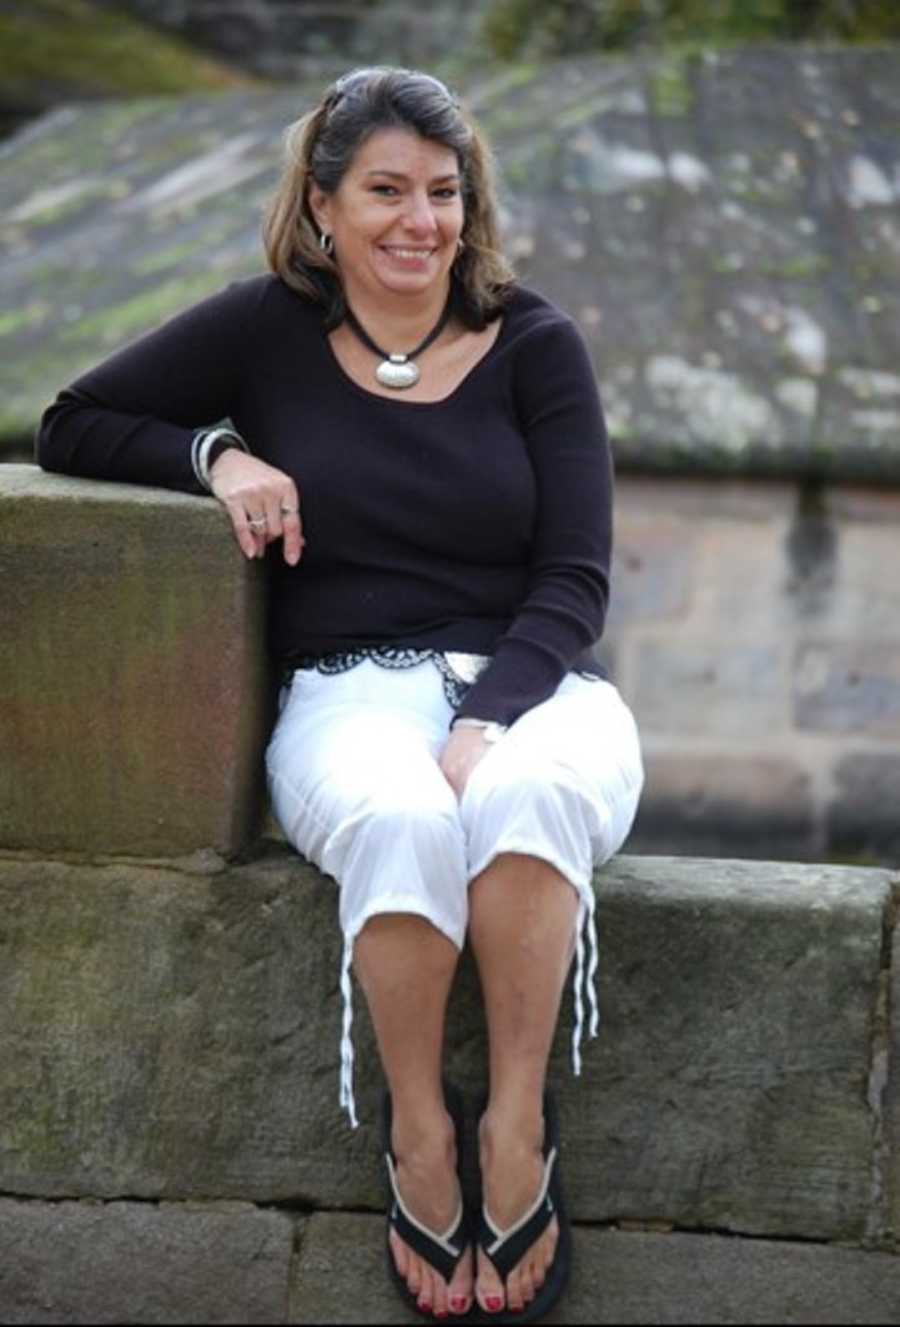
pixel 709 687
pixel 865 604
pixel 89 1262
pixel 621 1277
pixel 651 571
pixel 863 818
pixel 176 1036
pixel 754 805
pixel 134 692
pixel 848 687
pixel 733 1065
pixel 741 578
pixel 891 1149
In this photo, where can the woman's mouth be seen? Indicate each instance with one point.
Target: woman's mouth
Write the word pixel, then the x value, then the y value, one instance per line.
pixel 405 254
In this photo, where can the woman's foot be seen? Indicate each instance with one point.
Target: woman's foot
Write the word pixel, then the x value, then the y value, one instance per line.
pixel 512 1168
pixel 427 1180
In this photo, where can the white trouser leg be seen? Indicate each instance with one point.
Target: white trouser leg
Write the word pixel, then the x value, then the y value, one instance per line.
pixel 355 785
pixel 562 785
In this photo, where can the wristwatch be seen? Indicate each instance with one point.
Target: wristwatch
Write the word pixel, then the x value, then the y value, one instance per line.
pixel 490 730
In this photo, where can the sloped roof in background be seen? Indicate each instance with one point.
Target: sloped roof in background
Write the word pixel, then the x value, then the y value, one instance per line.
pixel 723 227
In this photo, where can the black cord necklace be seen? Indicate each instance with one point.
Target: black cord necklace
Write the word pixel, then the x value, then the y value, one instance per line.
pixel 398 371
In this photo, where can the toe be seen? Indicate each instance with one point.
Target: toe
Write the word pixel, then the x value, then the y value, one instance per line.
pixel 439 1305
pixel 426 1289
pixel 526 1280
pixel 400 1254
pixel 488 1286
pixel 459 1291
pixel 515 1299
pixel 414 1274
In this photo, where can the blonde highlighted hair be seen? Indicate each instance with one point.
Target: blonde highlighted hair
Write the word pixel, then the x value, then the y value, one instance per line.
pixel 319 149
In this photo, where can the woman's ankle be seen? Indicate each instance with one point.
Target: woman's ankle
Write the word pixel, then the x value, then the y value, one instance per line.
pixel 512 1120
pixel 423 1135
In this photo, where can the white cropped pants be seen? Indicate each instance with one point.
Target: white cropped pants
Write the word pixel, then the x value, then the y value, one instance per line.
pixel 355 784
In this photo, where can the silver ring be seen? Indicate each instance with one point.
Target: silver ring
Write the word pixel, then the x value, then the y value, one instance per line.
pixel 257 522
pixel 289 511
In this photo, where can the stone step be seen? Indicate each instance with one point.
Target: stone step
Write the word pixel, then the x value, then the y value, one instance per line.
pixel 127 1262
pixel 172 1033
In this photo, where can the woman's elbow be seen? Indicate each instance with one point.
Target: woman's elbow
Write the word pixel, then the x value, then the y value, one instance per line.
pixel 51 451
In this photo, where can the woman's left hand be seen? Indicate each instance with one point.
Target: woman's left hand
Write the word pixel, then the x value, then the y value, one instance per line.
pixel 465 747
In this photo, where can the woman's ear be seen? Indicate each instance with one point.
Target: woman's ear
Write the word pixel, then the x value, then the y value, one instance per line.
pixel 320 206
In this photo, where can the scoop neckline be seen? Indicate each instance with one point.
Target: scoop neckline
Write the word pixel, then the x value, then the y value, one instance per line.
pixel 400 400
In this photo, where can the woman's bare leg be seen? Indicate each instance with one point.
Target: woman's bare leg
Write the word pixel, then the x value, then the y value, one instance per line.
pixel 522 931
pixel 405 967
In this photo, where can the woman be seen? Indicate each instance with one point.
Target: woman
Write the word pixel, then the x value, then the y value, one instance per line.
pixel 416 442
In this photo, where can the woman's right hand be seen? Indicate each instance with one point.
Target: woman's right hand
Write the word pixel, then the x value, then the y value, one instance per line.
pixel 251 490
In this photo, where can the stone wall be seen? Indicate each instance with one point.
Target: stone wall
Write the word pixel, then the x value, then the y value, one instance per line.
pixel 753 630
pixel 171 1147
pixel 135 693
pixel 757 635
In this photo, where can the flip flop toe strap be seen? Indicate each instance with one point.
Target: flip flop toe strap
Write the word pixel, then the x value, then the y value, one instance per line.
pixel 442 1252
pixel 507 1248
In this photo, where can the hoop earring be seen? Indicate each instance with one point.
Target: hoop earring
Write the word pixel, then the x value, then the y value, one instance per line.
pixel 326 243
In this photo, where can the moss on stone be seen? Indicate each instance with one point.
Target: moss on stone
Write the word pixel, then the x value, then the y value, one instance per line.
pixel 670 89
pixel 116 322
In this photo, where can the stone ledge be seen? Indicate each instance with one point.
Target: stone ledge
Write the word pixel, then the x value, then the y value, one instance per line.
pixel 135 689
pixel 175 1036
pixel 340 1277
pixel 87 1262
pixel 78 1262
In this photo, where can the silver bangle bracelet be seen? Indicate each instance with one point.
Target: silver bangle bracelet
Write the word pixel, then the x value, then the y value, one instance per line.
pixel 200 449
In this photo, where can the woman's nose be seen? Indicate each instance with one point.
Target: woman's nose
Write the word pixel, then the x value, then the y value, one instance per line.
pixel 420 214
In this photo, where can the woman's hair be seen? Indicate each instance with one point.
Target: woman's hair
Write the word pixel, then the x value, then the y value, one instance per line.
pixel 320 147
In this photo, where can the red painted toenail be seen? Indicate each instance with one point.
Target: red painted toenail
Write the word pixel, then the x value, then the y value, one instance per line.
pixel 459 1303
pixel 493 1303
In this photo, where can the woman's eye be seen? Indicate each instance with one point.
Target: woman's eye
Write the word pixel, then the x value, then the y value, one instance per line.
pixel 387 189
pixel 449 192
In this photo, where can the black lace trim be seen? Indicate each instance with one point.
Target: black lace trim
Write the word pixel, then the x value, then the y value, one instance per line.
pixel 456 683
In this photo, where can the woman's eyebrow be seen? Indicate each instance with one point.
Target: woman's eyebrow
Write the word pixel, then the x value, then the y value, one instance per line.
pixel 399 175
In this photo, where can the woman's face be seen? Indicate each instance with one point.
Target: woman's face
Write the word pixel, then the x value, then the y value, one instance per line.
pixel 396 216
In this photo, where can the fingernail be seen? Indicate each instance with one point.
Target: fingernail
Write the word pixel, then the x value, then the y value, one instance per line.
pixel 493 1303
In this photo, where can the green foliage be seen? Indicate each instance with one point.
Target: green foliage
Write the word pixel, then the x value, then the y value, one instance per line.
pixel 83 47
pixel 567 27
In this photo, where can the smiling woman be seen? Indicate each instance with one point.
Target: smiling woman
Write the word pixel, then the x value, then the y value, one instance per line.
pixel 447 748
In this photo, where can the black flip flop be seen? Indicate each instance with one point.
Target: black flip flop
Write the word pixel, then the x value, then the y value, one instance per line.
pixel 506 1248
pixel 441 1251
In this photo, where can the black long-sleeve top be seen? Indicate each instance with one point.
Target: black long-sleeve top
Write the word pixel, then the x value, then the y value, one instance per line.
pixel 479 523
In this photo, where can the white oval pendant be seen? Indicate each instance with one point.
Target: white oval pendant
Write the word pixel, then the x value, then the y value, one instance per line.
pixel 397 373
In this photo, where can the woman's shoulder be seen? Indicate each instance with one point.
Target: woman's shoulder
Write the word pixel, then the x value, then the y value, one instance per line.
pixel 267 293
pixel 526 310
pixel 534 325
